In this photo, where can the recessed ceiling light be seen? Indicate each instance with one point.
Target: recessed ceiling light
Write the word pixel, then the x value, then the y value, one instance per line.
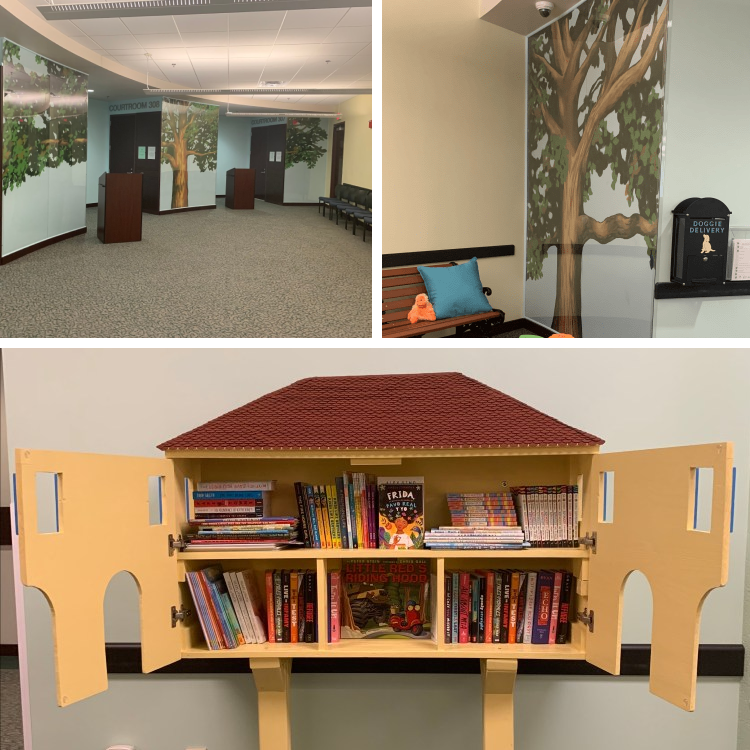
pixel 271 83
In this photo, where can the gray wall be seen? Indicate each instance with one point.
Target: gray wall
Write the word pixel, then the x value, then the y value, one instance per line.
pixel 707 151
pixel 126 401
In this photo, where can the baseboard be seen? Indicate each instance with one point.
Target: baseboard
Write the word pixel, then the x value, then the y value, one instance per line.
pixel 9 649
pixel 422 258
pixel 221 196
pixel 713 661
pixel 39 245
pixel 182 210
pixel 529 325
pixel 91 205
pixel 300 204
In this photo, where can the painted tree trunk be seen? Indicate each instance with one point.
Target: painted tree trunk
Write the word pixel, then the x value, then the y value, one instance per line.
pixel 567 318
pixel 180 174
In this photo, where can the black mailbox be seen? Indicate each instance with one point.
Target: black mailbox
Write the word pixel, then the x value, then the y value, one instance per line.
pixel 700 237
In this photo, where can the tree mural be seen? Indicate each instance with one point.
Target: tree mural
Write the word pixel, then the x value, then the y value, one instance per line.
pixel 303 138
pixel 596 80
pixel 188 129
pixel 44 113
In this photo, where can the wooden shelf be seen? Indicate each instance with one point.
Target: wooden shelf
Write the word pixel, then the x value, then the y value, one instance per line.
pixel 578 553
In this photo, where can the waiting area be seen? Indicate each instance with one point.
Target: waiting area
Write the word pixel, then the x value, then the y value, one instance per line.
pixel 166 171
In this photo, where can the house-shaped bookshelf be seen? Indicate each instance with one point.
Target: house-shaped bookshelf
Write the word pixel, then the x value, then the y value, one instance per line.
pixel 461 436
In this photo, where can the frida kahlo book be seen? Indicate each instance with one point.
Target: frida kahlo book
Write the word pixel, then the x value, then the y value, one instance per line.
pixel 401 512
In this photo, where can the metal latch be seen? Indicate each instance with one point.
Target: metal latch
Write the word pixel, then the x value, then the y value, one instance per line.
pixel 587 618
pixel 179 614
pixel 589 541
pixel 178 544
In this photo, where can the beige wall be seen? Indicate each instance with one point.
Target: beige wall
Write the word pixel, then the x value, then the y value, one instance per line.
pixel 356 113
pixel 454 137
pixel 8 632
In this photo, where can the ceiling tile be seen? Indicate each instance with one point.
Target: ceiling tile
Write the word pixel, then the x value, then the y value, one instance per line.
pixel 67 27
pixel 207 53
pixel 302 36
pixel 349 34
pixel 184 76
pixel 258 52
pixel 295 50
pixel 171 54
pixel 280 71
pixel 310 19
pixel 248 38
pixel 357 17
pixel 211 39
pixel 125 41
pixel 150 25
pixel 269 19
pixel 160 40
pixel 203 23
pixel 86 42
pixel 342 49
pixel 101 26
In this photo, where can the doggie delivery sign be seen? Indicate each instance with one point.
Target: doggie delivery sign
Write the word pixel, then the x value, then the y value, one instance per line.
pixel 699 241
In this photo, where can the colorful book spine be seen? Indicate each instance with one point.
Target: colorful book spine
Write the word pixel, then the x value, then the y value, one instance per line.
pixel 313 511
pixel 505 621
pixel 333 507
pixel 530 605
pixel 555 610
pixel 278 609
pixel 566 594
pixel 203 615
pixel 464 607
pixel 270 607
pixel 456 589
pixel 490 607
pixel 542 607
pixel 262 486
pixel 448 607
pixel 482 608
pixel 311 607
pixel 304 516
pixel 286 606
pixel 343 513
pixel 474 617
pixel 230 495
pixel 293 613
pixel 513 614
pixel 523 579
pixel 335 606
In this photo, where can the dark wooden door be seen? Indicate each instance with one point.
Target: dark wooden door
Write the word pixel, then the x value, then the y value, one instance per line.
pixel 122 143
pixel 275 145
pixel 148 135
pixel 259 160
pixel 337 157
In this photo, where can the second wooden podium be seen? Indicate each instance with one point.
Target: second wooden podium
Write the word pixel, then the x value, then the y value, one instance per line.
pixel 240 188
pixel 120 198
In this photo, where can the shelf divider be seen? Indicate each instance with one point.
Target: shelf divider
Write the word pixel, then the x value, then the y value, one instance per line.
pixel 272 682
pixel 498 682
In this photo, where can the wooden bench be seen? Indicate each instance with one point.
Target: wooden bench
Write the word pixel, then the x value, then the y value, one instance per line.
pixel 402 285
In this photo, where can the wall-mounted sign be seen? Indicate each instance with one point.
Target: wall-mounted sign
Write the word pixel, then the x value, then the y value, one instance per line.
pixel 699 241
pixel 278 156
pixel 152 152
pixel 144 105
pixel 272 156
pixel 141 152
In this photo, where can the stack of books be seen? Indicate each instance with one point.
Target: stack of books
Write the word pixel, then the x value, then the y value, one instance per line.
pixel 229 605
pixel 508 606
pixel 480 521
pixel 548 515
pixel 235 515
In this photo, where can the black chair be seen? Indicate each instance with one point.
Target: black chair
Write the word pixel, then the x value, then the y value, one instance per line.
pixel 356 202
pixel 355 212
pixel 341 194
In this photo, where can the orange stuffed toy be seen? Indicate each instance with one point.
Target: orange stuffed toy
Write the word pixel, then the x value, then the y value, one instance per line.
pixel 422 309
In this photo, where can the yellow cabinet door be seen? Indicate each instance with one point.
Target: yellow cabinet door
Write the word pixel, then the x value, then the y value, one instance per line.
pixel 651 530
pixel 103 527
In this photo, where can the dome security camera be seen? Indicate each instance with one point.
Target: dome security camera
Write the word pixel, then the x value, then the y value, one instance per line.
pixel 545 8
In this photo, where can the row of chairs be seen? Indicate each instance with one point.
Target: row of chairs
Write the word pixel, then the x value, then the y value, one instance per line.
pixel 353 203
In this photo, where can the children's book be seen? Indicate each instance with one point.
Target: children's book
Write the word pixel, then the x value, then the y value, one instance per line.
pixel 401 512
pixel 385 599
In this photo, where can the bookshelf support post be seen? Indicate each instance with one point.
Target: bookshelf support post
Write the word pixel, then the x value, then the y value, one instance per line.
pixel 498 681
pixel 272 682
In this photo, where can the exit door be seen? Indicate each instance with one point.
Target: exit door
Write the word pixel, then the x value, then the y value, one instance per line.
pixel 267 158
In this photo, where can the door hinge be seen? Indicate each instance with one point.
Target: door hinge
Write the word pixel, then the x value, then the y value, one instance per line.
pixel 179 614
pixel 587 618
pixel 589 541
pixel 178 544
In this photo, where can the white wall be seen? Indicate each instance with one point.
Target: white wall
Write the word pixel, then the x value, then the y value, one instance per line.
pixel 127 401
pixel 707 147
pixel 233 150
pixel 7 594
pixel 454 138
pixel 97 158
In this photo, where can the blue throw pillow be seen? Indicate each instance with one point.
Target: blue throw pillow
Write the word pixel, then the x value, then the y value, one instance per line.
pixel 455 290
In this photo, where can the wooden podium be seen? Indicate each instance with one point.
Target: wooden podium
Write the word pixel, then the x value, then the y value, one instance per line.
pixel 240 188
pixel 120 198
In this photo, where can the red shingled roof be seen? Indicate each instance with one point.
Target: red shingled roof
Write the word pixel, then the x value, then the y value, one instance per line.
pixel 425 410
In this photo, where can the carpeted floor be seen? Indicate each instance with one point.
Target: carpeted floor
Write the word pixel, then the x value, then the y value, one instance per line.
pixel 276 271
pixel 11 725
